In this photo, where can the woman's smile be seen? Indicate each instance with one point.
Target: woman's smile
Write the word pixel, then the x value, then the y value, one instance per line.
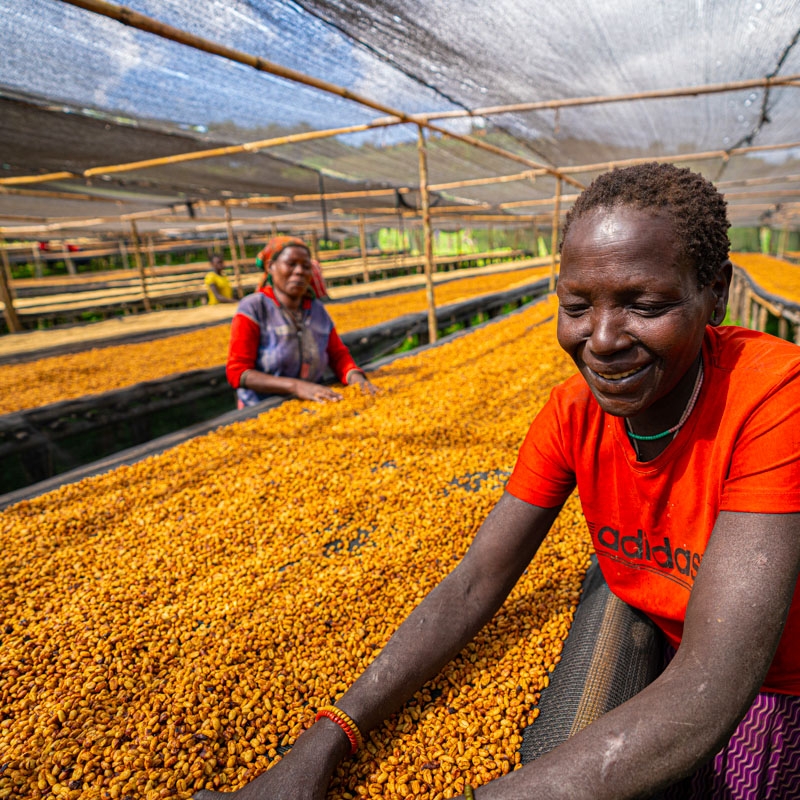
pixel 631 315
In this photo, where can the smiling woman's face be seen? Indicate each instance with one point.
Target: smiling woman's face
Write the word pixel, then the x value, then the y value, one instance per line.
pixel 291 272
pixel 630 313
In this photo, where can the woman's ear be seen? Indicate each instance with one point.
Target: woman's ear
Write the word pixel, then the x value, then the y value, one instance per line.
pixel 720 286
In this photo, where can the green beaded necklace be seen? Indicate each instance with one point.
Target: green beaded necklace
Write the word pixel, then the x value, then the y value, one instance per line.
pixel 686 412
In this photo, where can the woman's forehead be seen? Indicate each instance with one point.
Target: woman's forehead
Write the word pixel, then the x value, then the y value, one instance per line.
pixel 615 222
pixel 621 241
pixel 294 251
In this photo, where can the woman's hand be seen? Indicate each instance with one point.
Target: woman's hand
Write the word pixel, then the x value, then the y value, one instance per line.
pixel 357 377
pixel 275 784
pixel 302 774
pixel 306 390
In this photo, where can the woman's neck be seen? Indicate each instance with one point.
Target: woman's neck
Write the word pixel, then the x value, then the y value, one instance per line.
pixel 668 411
pixel 649 446
pixel 288 302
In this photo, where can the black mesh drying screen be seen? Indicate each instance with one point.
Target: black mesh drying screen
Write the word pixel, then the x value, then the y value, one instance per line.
pixel 612 652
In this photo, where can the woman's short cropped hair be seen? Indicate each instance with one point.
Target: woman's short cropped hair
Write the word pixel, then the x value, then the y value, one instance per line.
pixel 697 209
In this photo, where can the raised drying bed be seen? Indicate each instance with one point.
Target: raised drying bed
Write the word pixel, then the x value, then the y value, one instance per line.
pixel 37 444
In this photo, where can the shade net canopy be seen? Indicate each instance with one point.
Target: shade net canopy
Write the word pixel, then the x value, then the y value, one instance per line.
pixel 80 90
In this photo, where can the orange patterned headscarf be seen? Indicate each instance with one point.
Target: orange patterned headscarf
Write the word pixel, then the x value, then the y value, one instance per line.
pixel 276 245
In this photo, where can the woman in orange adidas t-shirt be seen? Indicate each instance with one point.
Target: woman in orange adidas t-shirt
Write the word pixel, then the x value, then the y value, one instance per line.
pixel 683 442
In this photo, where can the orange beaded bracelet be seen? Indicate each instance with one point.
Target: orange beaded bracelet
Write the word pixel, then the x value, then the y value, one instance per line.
pixel 345 723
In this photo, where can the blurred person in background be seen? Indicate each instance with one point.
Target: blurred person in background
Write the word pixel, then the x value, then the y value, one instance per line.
pixel 282 337
pixel 217 285
pixel 318 285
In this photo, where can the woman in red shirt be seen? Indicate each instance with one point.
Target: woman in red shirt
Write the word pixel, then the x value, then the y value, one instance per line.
pixel 683 443
pixel 282 338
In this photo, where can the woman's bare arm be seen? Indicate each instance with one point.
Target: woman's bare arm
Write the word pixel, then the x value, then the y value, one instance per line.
pixel 444 622
pixel 734 621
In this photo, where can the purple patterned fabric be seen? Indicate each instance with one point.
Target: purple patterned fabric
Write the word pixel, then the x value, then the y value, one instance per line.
pixel 761 761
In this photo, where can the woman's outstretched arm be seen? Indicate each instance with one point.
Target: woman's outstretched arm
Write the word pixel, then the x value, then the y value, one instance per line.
pixel 734 621
pixel 439 628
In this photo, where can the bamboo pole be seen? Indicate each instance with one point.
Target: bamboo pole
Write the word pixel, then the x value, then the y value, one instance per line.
pixel 234 254
pixel 135 20
pixel 123 253
pixel 757 181
pixel 68 259
pixel 463 184
pixel 782 241
pixel 137 256
pixel 151 258
pixel 742 300
pixel 554 238
pixel 710 88
pixel 37 261
pixel 762 317
pixel 733 296
pixel 7 294
pixel 701 156
pixel 426 226
pixel 544 201
pixel 362 241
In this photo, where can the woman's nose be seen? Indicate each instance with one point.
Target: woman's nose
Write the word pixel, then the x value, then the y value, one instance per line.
pixel 608 334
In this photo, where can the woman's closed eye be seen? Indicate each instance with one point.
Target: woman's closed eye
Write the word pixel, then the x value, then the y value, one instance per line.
pixel 650 309
pixel 574 309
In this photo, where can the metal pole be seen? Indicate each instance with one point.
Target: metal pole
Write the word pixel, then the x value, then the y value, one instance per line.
pixel 322 204
pixel 37 261
pixel 137 256
pixel 68 259
pixel 234 254
pixel 554 239
pixel 7 295
pixel 428 236
pixel 123 253
pixel 362 239
pixel 151 257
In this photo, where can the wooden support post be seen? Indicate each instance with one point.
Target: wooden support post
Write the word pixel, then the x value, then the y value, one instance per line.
pixel 314 245
pixel 123 254
pixel 151 257
pixel 554 238
pixel 234 254
pixel 137 257
pixel 752 311
pixel 37 261
pixel 783 236
pixel 783 327
pixel 362 243
pixel 741 302
pixel 763 315
pixel 7 294
pixel 733 296
pixel 68 259
pixel 428 236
